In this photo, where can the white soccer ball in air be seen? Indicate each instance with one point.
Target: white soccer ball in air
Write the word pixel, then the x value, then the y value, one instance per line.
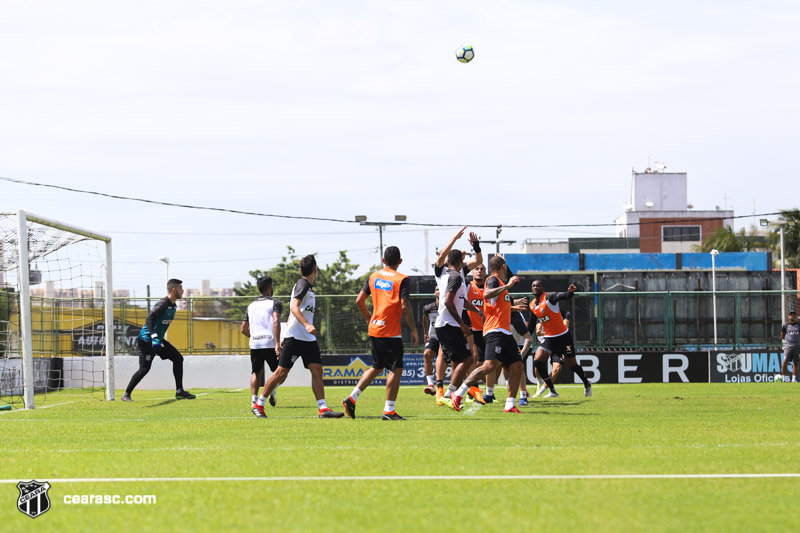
pixel 465 53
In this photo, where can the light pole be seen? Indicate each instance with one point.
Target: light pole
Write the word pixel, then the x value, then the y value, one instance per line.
pixel 164 259
pixel 714 254
pixel 362 219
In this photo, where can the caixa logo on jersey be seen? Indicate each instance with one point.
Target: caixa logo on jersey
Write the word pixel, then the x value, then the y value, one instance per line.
pixel 383 285
pixel 745 367
pixel 33 500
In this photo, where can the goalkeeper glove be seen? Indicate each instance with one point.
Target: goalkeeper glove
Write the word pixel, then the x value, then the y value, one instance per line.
pixel 157 346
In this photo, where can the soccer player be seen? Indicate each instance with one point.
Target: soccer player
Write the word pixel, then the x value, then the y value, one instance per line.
pixel 500 345
pixel 262 325
pixel 151 342
pixel 519 325
pixel 300 342
pixel 429 314
pixel 451 330
pixel 790 335
pixel 557 336
pixel 475 297
pixel 390 303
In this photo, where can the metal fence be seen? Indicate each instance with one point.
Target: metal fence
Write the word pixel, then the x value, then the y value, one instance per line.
pixel 621 321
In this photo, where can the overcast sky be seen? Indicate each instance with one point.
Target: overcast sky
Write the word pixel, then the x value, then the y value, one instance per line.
pixel 337 109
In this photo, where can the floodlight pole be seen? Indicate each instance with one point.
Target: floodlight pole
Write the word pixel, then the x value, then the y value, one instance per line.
pixel 362 220
pixel 714 254
pixel 783 273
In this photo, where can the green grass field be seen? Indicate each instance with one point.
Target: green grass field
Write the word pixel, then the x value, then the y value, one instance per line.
pixel 636 430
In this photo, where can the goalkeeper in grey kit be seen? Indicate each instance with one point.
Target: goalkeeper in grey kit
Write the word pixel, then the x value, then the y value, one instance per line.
pixel 151 342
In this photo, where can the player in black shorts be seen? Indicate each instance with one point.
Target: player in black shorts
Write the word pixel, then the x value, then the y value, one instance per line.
pixel 262 325
pixel 429 314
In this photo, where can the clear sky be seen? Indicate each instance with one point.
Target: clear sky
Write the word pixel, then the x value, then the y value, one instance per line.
pixel 337 109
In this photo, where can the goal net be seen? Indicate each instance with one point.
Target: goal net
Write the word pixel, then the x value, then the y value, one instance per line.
pixel 55 307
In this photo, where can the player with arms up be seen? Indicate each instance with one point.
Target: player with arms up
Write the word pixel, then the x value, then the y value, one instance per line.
pixel 301 341
pixel 151 342
pixel 390 303
pixel 262 325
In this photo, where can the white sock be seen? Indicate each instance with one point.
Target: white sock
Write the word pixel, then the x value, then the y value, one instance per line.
pixel 794 379
pixel 462 389
pixel 523 394
pixel 509 403
pixel 431 379
pixel 261 400
pixel 389 407
pixel 355 394
pixel 490 390
pixel 255 398
pixel 451 388
pixel 322 404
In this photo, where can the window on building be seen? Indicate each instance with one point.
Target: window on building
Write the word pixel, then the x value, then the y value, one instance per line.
pixel 680 233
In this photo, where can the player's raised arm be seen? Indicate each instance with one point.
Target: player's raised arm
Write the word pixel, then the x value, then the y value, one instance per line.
pixel 476 247
pixel 440 261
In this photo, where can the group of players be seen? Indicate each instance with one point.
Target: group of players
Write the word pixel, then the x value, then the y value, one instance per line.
pixel 469 330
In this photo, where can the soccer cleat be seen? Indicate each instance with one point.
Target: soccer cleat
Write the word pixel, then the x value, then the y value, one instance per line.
pixel 349 407
pixel 430 389
pixel 258 410
pixel 126 398
pixel 272 400
pixel 184 395
pixel 475 392
pixel 523 402
pixel 440 396
pixel 587 392
pixel 455 402
pixel 551 394
pixel 391 416
pixel 540 391
pixel 488 398
pixel 327 413
pixel 513 410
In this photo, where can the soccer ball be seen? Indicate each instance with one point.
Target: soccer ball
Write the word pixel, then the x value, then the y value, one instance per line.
pixel 465 53
pixel 778 378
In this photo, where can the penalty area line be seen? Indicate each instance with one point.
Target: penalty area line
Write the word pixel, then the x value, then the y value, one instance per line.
pixel 414 478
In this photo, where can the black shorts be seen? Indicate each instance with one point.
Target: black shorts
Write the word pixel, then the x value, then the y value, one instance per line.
pixel 455 347
pixel 387 352
pixel 502 347
pixel 477 338
pixel 293 348
pixel 259 356
pixel 561 345
pixel 433 345
pixel 146 352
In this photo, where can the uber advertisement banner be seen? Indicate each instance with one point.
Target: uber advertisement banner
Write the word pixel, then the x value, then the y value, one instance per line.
pixel 642 367
pixel 757 366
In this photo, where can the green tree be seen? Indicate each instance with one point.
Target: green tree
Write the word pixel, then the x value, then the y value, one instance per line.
pixel 791 239
pixel 338 320
pixel 726 240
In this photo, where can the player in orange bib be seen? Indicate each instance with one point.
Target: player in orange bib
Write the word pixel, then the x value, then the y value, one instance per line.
pixel 557 337
pixel 500 345
pixel 390 303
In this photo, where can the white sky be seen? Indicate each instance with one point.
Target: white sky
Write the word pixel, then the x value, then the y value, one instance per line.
pixel 335 109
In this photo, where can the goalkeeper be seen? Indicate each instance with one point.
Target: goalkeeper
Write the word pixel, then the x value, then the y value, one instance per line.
pixel 151 342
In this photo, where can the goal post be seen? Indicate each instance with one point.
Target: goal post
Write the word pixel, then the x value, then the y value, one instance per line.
pixel 52 237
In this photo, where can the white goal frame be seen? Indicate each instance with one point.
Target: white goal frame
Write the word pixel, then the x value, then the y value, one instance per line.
pixel 26 329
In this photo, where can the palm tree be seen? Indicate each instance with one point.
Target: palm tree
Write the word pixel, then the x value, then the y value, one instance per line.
pixel 726 240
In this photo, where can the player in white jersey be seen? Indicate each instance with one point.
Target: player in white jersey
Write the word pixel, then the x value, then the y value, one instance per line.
pixel 262 325
pixel 453 332
pixel 301 340
pixel 429 314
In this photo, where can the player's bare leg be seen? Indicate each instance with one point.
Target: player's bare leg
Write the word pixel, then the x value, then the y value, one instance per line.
pixel 319 392
pixel 578 370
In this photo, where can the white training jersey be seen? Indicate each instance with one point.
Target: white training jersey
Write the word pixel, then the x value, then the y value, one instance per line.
pixel 259 316
pixel 449 280
pixel 304 291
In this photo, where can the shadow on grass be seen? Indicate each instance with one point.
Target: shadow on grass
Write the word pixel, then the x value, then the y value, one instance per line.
pixel 164 402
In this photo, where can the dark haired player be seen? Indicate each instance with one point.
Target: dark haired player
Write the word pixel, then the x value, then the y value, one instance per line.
pixel 151 342
pixel 500 345
pixel 557 336
pixel 262 325
pixel 451 329
pixel 390 303
pixel 429 314
pixel 301 341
